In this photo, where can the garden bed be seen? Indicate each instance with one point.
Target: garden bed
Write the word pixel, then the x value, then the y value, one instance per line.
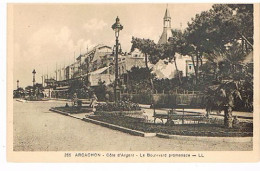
pixel 209 130
pixel 128 113
pixel 74 110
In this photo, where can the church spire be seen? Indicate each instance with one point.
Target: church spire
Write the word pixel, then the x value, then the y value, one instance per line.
pixel 167 18
pixel 166 27
pixel 167 14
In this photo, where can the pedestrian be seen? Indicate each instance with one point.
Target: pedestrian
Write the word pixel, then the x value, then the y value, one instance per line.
pixel 93 101
pixel 74 99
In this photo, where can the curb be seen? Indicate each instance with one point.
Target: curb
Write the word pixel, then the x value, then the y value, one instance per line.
pixel 58 111
pixel 206 139
pixel 119 128
pixel 74 116
pixel 19 100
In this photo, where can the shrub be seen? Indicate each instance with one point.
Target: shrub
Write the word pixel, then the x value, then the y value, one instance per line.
pixel 144 98
pixel 120 106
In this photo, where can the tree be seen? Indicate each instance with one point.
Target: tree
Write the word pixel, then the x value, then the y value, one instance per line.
pixel 147 47
pixel 139 79
pixel 214 29
pixel 18 93
pixel 100 90
pixel 29 90
pixel 234 83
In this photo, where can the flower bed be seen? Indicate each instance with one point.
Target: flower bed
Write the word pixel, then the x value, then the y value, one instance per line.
pixel 210 130
pixel 120 106
pixel 74 110
pixel 125 113
pixel 125 108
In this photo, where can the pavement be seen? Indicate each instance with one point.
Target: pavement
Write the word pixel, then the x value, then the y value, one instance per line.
pixel 38 129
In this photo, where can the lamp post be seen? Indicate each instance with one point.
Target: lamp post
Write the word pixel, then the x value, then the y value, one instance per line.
pixel 17 84
pixel 116 27
pixel 34 72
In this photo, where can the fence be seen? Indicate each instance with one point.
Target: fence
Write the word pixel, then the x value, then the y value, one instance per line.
pixel 192 100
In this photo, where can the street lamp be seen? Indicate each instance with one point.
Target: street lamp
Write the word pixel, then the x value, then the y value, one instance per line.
pixel 34 72
pixel 116 27
pixel 17 84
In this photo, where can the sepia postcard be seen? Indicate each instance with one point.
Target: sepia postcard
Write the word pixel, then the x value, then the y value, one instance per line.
pixel 133 82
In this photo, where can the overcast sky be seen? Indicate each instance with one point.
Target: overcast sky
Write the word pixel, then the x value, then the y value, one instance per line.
pixel 48 34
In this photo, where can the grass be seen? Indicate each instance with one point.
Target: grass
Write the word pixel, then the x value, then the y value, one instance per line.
pixel 210 130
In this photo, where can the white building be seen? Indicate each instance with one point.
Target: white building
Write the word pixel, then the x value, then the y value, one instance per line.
pixel 164 69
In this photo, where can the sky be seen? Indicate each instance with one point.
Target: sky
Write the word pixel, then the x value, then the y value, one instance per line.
pixel 48 35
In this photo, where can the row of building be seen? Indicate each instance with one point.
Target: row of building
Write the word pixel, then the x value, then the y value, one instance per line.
pixel 98 65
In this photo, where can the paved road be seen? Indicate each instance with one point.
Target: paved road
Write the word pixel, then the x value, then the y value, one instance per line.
pixel 38 129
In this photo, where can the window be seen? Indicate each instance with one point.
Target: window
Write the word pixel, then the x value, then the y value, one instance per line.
pixel 190 66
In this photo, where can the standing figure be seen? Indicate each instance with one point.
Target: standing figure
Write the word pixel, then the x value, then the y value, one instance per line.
pixel 74 99
pixel 93 101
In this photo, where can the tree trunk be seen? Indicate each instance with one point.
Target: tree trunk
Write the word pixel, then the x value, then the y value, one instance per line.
pixel 243 44
pixel 178 72
pixel 150 77
pixel 146 61
pixel 197 64
pixel 195 69
pixel 228 119
pixel 216 70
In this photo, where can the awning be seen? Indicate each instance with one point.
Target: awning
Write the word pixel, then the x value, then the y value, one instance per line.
pixel 99 71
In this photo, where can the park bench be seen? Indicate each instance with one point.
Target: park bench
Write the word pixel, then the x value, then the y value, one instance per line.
pixel 173 115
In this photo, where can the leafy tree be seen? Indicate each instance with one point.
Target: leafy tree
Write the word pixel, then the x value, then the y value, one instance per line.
pixel 234 83
pixel 139 79
pixel 215 29
pixel 18 93
pixel 100 90
pixel 147 47
pixel 29 90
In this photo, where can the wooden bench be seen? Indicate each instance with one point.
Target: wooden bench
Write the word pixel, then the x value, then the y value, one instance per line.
pixel 173 115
